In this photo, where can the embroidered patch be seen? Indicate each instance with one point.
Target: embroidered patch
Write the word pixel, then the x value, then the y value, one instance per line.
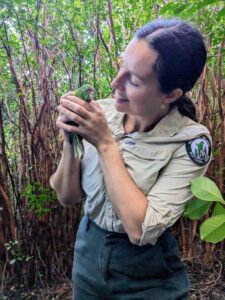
pixel 199 150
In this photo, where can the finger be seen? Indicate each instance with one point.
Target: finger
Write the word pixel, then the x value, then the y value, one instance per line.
pixel 72 116
pixel 72 98
pixel 95 104
pixel 61 116
pixel 70 93
pixel 67 128
pixel 97 109
pixel 74 107
pixel 77 100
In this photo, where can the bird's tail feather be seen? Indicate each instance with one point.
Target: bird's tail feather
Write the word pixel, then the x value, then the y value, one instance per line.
pixel 77 146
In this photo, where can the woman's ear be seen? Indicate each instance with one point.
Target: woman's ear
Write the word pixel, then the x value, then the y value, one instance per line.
pixel 173 96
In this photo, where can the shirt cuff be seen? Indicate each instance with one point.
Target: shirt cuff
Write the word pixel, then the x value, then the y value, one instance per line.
pixel 154 225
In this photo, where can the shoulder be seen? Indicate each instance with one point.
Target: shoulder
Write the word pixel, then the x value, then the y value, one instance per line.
pixel 184 128
pixel 195 130
pixel 197 145
pixel 195 139
pixel 199 149
pixel 106 101
pixel 108 107
pixel 106 104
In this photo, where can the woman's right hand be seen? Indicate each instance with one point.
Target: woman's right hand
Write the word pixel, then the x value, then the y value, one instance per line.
pixel 68 116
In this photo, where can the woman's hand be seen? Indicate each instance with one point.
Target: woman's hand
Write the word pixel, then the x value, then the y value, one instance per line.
pixel 90 118
pixel 94 128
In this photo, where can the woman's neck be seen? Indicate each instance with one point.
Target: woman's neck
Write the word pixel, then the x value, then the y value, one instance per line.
pixel 134 124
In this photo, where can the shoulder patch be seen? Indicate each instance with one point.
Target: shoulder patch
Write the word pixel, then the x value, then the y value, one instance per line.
pixel 199 150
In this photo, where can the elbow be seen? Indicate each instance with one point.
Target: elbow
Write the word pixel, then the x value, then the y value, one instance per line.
pixel 135 239
pixel 66 202
pixel 135 231
pixel 70 201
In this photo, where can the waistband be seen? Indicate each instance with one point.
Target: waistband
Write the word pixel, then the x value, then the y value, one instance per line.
pixel 94 226
pixel 166 240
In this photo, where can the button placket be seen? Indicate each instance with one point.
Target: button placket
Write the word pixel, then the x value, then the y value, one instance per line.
pixel 109 215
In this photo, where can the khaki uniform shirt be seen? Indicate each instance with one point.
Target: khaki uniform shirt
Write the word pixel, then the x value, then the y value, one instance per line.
pixel 158 163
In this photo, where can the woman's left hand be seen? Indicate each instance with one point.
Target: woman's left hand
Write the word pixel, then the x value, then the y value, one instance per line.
pixel 89 116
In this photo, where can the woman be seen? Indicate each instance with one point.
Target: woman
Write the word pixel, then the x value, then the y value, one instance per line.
pixel 142 149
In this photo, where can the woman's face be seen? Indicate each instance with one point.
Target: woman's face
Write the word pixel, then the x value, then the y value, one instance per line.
pixel 136 88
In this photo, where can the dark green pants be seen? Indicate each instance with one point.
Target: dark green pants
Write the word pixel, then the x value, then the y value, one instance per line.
pixel 108 266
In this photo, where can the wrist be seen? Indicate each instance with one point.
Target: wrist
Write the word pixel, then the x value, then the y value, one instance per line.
pixel 67 145
pixel 107 147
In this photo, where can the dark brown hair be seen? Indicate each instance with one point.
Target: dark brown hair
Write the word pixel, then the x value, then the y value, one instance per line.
pixel 182 56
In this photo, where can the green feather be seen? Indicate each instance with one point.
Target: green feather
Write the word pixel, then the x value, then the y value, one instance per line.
pixel 86 93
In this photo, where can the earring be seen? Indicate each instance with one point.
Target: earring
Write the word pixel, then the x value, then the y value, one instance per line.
pixel 163 106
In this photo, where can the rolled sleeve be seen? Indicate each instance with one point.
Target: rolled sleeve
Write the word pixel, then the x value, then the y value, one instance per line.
pixel 169 195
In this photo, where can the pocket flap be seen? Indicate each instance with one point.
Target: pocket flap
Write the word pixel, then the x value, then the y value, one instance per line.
pixel 145 152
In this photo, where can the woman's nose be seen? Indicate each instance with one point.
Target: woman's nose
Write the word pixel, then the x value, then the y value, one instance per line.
pixel 118 82
pixel 114 83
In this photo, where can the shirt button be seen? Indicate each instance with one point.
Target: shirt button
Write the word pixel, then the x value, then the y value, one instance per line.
pixel 129 142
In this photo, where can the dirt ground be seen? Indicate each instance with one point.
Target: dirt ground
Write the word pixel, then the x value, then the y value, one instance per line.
pixel 207 284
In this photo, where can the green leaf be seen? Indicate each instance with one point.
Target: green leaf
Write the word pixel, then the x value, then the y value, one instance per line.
pixel 196 208
pixel 43 197
pixel 218 210
pixel 213 229
pixel 221 13
pixel 206 3
pixel 206 189
pixel 12 261
pixel 166 8
pixel 180 9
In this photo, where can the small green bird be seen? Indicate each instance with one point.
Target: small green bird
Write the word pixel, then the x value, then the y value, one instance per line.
pixel 86 93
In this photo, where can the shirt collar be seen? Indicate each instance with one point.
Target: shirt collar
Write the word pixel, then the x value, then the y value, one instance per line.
pixel 168 126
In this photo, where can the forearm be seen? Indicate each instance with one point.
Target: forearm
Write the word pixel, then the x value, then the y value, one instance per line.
pixel 66 180
pixel 128 201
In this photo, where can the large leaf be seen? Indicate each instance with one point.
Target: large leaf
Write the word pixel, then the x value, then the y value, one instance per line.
pixel 196 208
pixel 205 189
pixel 218 210
pixel 213 229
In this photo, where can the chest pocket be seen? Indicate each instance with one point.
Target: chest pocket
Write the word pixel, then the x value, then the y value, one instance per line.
pixel 144 164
